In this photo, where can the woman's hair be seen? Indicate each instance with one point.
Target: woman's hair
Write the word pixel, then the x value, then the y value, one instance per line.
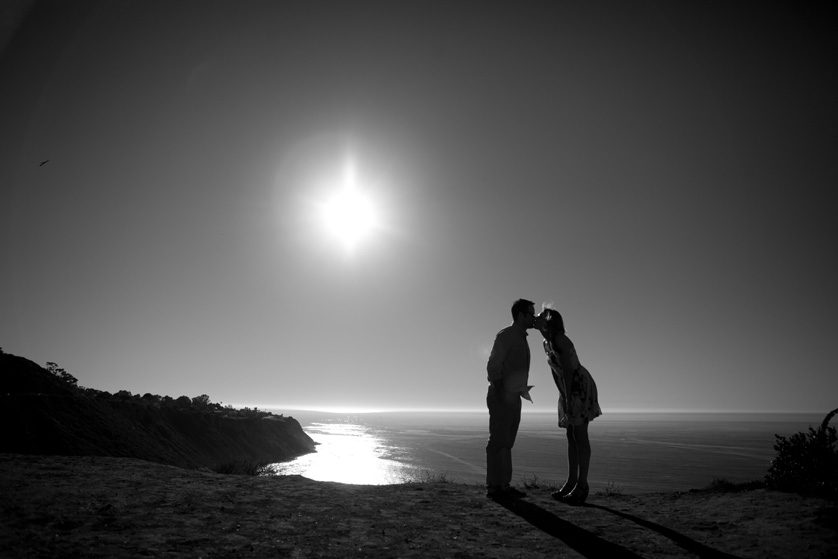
pixel 555 323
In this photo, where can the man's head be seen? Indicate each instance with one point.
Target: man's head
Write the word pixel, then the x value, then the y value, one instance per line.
pixel 523 313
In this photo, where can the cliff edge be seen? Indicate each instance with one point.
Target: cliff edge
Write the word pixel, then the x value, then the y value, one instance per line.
pixel 63 506
pixel 45 415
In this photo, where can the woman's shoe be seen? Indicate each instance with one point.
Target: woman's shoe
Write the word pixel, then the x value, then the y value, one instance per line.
pixel 562 493
pixel 578 496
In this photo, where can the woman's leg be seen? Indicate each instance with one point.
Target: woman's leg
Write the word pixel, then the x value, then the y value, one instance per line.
pixel 578 438
pixel 572 459
pixel 583 450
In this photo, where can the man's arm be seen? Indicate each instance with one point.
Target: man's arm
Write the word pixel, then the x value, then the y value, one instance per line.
pixel 494 367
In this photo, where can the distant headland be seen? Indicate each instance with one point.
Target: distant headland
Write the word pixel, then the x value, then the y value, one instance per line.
pixel 47 413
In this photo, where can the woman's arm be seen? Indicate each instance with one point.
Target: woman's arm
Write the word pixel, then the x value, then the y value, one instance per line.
pixel 566 351
pixel 553 362
pixel 556 380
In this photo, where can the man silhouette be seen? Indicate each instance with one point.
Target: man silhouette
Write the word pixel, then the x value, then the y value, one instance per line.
pixel 508 372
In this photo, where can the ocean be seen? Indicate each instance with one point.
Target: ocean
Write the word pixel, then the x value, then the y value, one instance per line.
pixel 631 452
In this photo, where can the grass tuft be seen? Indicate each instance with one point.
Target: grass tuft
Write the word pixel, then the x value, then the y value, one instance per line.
pixel 535 482
pixel 611 490
pixel 723 485
pixel 428 476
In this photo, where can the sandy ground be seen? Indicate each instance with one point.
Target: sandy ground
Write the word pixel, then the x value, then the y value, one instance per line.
pixel 117 507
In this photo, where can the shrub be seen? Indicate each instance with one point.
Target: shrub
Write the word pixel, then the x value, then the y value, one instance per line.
pixel 200 402
pixel 724 485
pixel 184 402
pixel 150 398
pixel 806 463
pixel 245 468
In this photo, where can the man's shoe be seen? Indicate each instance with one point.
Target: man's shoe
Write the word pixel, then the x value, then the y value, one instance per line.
pixel 513 493
pixel 495 494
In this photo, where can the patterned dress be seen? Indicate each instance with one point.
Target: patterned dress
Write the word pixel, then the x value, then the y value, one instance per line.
pixel 581 403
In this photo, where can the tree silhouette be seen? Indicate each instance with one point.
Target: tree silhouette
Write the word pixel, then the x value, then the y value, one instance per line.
pixel 201 402
pixel 65 377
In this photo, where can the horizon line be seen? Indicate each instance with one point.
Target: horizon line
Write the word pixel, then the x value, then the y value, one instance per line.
pixel 371 410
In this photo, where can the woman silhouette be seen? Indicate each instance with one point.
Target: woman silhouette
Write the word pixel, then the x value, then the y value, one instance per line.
pixel 578 404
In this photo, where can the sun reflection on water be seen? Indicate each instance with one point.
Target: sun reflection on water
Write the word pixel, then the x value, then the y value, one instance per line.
pixel 348 453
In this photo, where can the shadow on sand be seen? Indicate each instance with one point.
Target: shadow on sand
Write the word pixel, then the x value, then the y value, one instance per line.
pixel 591 545
pixel 578 539
pixel 679 539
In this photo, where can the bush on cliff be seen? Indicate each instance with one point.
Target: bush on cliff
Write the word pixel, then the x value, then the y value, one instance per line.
pixel 245 468
pixel 807 463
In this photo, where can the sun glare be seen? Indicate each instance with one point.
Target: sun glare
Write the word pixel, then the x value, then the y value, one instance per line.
pixel 349 215
pixel 348 453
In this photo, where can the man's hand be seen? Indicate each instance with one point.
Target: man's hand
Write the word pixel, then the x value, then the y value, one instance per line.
pixel 498 384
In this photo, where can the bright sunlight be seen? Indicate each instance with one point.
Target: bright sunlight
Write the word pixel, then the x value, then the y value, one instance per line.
pixel 349 215
pixel 348 453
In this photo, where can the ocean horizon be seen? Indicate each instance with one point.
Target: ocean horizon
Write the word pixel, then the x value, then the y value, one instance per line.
pixel 632 452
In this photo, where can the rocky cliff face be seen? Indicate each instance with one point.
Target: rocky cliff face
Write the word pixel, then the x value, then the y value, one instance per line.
pixel 41 415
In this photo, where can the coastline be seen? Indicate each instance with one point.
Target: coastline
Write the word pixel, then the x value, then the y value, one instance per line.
pixel 637 453
pixel 121 507
pixel 48 413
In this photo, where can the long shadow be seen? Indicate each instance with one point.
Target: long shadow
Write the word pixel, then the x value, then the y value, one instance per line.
pixel 703 551
pixel 578 539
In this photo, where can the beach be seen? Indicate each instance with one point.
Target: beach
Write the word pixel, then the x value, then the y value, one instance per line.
pixel 55 506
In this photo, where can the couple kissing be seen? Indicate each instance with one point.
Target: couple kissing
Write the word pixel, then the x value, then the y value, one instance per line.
pixel 508 374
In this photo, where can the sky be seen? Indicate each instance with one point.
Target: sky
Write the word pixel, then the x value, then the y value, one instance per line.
pixel 663 173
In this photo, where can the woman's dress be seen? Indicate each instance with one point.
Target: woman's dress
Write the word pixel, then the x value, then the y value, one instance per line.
pixel 581 404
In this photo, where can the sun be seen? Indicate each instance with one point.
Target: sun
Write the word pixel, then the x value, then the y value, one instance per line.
pixel 348 214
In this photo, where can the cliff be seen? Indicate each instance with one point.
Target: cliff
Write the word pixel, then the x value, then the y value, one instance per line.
pixel 44 415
